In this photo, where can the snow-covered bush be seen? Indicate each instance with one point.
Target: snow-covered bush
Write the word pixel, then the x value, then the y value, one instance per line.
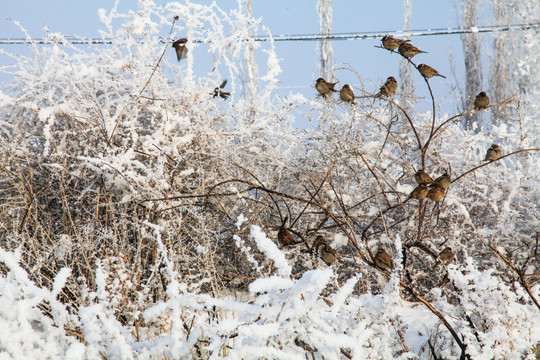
pixel 139 212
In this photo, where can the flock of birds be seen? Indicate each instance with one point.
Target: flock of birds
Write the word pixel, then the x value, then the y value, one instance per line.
pixel 434 190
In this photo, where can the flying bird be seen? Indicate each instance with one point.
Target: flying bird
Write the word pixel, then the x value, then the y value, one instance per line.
pixel 428 72
pixel 409 50
pixel 481 101
pixel 180 47
pixel 391 43
pixel 222 94
pixel 493 153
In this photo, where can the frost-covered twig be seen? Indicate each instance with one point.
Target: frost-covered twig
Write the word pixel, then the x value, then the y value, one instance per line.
pixel 520 273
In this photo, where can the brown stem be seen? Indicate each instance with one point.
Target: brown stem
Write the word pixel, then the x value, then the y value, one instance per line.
pixel 520 273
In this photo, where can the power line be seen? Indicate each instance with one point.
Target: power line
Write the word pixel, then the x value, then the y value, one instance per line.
pixel 302 37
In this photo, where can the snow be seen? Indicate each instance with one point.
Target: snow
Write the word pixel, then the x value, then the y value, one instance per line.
pixel 142 225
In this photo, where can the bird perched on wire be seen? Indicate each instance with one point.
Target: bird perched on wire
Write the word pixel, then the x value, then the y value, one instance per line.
pixel 493 153
pixel 222 94
pixel 284 237
pixel 422 177
pixel 324 87
pixel 428 72
pixel 346 94
pixel 180 47
pixel 388 88
pixel 435 193
pixel 443 181
pixel 383 260
pixel 481 101
pixel 409 50
pixel 391 43
pixel 419 193
pixel 446 257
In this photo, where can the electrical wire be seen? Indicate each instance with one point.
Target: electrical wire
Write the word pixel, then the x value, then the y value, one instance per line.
pixel 302 37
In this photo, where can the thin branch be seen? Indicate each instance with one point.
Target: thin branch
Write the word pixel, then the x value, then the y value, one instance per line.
pixel 520 273
pixel 489 162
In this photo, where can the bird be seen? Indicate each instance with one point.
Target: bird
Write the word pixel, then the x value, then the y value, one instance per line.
pixel 391 43
pixel 443 181
pixel 409 50
pixel 428 72
pixel 346 94
pixel 389 87
pixel 325 252
pixel 446 257
pixel 481 101
pixel 435 193
pixel 422 177
pixel 284 237
pixel 180 47
pixel 328 254
pixel 383 260
pixel 324 87
pixel 493 153
pixel 217 91
pixel 419 193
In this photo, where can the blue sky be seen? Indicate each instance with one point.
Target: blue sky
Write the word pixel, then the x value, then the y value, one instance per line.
pixel 299 60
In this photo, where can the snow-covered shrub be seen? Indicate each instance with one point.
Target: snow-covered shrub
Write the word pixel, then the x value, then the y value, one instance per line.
pixel 139 212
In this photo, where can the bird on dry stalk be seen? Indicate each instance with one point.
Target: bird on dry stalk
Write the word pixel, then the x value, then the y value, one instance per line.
pixel 419 193
pixel 443 181
pixel 389 87
pixel 180 47
pixel 493 153
pixel 383 260
pixel 391 43
pixel 409 50
pixel 284 237
pixel 325 251
pixel 217 91
pixel 435 193
pixel 481 101
pixel 422 177
pixel 324 87
pixel 428 72
pixel 346 94
pixel 446 257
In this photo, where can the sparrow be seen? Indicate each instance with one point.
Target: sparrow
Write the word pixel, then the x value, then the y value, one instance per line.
pixel 222 94
pixel 435 193
pixel 324 88
pixel 408 50
pixel 420 192
pixel 383 260
pixel 422 177
pixel 481 101
pixel 428 72
pixel 346 94
pixel 180 47
pixel 446 257
pixel 284 237
pixel 493 153
pixel 391 43
pixel 389 87
pixel 443 181
pixel 328 254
